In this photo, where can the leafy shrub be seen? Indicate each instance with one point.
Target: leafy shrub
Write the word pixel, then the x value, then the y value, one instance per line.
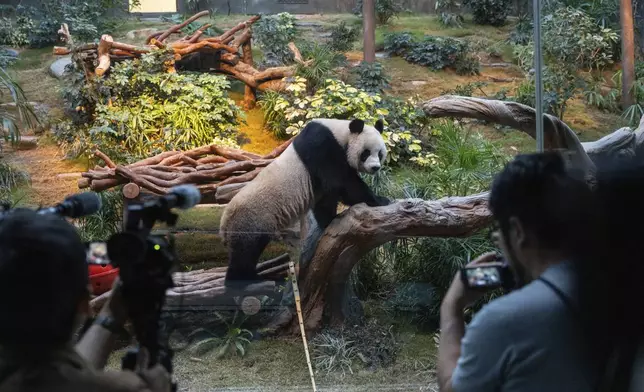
pixel 273 33
pixel 570 36
pixel 385 10
pixel 37 26
pixel 522 32
pixel 371 77
pixel 343 37
pixel 324 60
pixel 287 114
pixel 6 59
pixel 560 84
pixel 436 53
pixel 466 90
pixel 21 113
pixel 147 112
pixel 332 352
pixel 489 12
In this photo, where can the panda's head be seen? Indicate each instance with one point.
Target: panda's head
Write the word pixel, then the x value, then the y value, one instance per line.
pixel 366 150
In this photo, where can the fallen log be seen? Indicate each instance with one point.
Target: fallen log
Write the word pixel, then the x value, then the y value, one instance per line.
pixel 206 287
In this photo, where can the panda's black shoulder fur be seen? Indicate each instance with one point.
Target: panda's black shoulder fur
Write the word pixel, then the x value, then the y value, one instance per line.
pixel 332 178
pixel 322 155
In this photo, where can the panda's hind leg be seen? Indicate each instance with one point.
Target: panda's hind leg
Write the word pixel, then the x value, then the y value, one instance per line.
pixel 243 255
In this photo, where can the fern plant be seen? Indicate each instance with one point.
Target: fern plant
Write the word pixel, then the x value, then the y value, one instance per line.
pixel 23 113
pixel 236 339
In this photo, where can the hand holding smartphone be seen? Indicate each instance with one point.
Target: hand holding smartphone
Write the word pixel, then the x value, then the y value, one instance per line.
pixel 488 276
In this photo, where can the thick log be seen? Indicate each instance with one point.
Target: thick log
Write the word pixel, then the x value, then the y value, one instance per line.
pixel 359 229
pixel 104 47
pixel 206 287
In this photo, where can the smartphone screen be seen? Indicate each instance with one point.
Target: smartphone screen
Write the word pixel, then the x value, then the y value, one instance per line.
pixel 483 276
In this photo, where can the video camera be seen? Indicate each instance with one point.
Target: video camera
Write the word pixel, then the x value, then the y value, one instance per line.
pixel 145 265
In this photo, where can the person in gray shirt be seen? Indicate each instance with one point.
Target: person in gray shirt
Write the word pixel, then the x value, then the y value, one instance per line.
pixel 529 339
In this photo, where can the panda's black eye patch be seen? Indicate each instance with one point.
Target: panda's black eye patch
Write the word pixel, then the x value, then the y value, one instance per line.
pixel 380 155
pixel 365 154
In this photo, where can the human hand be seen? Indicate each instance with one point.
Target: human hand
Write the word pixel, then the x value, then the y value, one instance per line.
pixel 115 306
pixel 458 296
pixel 156 377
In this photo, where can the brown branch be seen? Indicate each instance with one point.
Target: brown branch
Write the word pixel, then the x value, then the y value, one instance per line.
pixel 557 135
pixel 195 36
pixel 105 159
pixel 361 228
pixel 278 150
pixel 240 26
pixel 181 25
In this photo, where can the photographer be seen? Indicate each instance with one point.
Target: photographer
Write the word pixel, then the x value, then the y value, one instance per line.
pixel 527 340
pixel 44 297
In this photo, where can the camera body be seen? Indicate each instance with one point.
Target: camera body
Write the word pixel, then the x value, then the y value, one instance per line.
pixel 486 277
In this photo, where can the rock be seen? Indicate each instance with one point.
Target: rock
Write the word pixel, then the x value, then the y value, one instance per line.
pixel 418 83
pixel 142 33
pixel 382 55
pixel 57 68
pixel 10 52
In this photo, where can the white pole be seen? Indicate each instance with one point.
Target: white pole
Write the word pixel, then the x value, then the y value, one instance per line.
pixel 538 68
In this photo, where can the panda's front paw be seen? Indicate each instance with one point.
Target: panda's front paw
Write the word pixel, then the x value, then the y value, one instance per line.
pixel 382 201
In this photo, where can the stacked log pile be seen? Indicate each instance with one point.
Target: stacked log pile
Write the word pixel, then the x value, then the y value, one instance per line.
pixel 218 172
pixel 230 54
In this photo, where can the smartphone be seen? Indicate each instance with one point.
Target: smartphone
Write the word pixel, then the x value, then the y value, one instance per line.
pixel 487 277
pixel 97 253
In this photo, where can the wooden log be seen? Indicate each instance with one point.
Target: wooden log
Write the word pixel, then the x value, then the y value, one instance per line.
pixel 131 191
pixel 361 228
pixel 181 25
pixel 203 287
pixel 104 47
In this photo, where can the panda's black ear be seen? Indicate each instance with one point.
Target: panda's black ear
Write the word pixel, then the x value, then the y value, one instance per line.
pixel 356 126
pixel 380 126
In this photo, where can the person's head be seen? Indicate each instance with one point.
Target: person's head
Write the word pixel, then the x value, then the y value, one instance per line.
pixel 538 204
pixel 44 289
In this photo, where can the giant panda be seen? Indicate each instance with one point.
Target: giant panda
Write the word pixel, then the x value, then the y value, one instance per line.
pixel 319 169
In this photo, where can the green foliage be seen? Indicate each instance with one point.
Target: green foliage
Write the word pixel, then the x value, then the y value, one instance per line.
pixel 594 97
pixel 371 77
pixel 141 111
pixel 560 84
pixel 37 26
pixel 6 59
pixel 287 114
pixel 571 37
pixel 323 62
pixel 385 10
pixel 107 221
pixel 522 32
pixel 436 53
pixel 450 13
pixel 332 352
pixel 11 177
pixel 273 33
pixel 343 37
pixel 335 100
pixel 489 12
pixel 11 117
pixel 465 90
pixel 236 338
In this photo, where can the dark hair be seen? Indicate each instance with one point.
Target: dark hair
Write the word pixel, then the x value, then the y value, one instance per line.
pixel 546 196
pixel 610 281
pixel 43 278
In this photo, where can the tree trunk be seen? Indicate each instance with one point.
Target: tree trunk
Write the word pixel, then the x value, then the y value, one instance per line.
pixel 628 52
pixel 369 23
pixel 359 229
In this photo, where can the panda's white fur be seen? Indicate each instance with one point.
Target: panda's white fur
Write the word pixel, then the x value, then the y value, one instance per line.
pixel 316 171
